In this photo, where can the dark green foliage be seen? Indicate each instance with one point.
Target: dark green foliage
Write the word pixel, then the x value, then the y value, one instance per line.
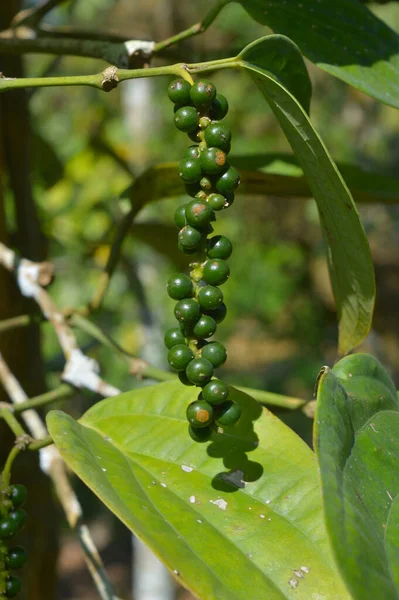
pixel 202 93
pixel 186 119
pixel 173 337
pixel 199 413
pixel 218 135
pixel 215 392
pixel 210 297
pixel 216 271
pixel 187 311
pixel 189 238
pixel 18 494
pixel 13 586
pixel 179 356
pixel 228 414
pixel 200 434
pixel 215 352
pixel 198 213
pixel 228 182
pixel 219 108
pixel 213 161
pixel 179 287
pixel 16 557
pixel 179 91
pixel 205 327
pixel 216 201
pixel 190 170
pixel 199 371
pixel 219 247
pixel 8 528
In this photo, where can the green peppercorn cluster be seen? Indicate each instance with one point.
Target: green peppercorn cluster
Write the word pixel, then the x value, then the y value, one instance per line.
pixel 211 182
pixel 13 519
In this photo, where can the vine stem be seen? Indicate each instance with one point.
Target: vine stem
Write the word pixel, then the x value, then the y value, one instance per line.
pixel 6 474
pixel 200 27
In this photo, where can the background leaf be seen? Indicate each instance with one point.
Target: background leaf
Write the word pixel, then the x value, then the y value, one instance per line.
pixel 342 37
pixel 357 442
pixel 351 266
pixel 233 519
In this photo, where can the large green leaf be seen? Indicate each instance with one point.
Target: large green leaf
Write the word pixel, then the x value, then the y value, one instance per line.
pixel 342 37
pixel 351 266
pixel 237 518
pixel 357 442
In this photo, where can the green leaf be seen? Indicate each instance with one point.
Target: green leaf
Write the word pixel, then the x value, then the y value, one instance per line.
pixel 342 37
pixel 357 443
pixel 281 175
pixel 351 266
pixel 233 519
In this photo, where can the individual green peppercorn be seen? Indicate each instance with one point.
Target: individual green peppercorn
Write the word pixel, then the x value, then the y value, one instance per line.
pixel 199 413
pixel 213 161
pixel 179 356
pixel 19 516
pixel 228 182
pixel 215 392
pixel 16 557
pixel 190 170
pixel 179 287
pixel 216 201
pixel 210 297
pixel 13 586
pixel 187 251
pixel 8 528
pixel 187 311
pixel 215 352
pixel 192 152
pixel 216 271
pixel 196 136
pixel 183 378
pixel 198 213
pixel 18 494
pixel 189 238
pixel 219 313
pixel 229 414
pixel 199 371
pixel 200 434
pixel 179 91
pixel 186 119
pixel 218 135
pixel 219 108
pixel 202 93
pixel 219 247
pixel 180 216
pixel 173 337
pixel 205 327
pixel 206 183
pixel 192 189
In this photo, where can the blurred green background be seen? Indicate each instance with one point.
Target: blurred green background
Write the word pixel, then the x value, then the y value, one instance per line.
pixel 281 324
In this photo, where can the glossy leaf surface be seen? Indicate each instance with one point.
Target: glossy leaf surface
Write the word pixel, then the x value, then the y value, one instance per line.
pixel 351 266
pixel 238 517
pixel 342 37
pixel 357 442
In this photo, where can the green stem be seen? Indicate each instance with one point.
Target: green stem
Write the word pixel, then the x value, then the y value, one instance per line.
pixel 6 474
pixel 62 391
pixel 194 30
pixel 15 322
pixel 11 421
pixel 39 444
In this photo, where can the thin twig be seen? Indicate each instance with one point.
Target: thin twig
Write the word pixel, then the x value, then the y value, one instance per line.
pixel 194 30
pixel 61 392
pixel 80 370
pixel 16 322
pixel 52 464
pixel 33 16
